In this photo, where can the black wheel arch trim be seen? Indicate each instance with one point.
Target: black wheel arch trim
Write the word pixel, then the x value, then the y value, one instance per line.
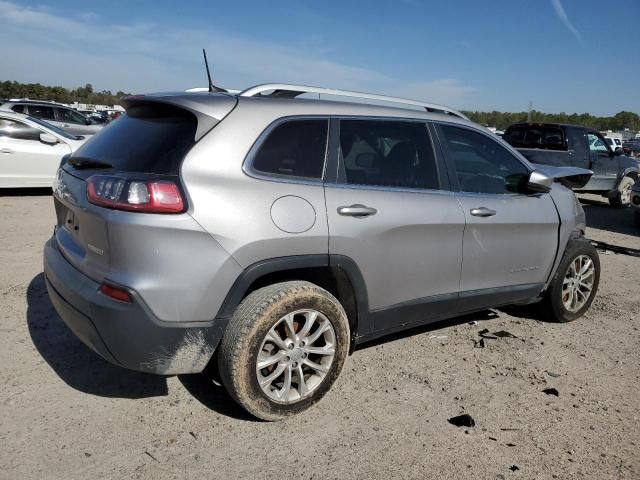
pixel 338 264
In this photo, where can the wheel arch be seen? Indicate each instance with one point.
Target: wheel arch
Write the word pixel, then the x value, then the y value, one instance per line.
pixel 337 274
pixel 630 172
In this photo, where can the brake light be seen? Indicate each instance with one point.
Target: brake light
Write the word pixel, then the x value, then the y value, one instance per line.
pixel 115 292
pixel 123 193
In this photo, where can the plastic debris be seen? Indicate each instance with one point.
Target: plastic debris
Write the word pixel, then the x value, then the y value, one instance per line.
pixel 513 468
pixel 552 374
pixel 551 391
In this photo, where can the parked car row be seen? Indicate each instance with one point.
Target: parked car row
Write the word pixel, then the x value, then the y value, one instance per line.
pixel 31 150
pixel 61 116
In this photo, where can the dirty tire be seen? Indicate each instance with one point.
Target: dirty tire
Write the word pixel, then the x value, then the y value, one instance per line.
pixel 621 197
pixel 552 306
pixel 254 317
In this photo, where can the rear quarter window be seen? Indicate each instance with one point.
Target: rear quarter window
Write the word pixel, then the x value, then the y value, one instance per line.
pixel 150 138
pixel 295 148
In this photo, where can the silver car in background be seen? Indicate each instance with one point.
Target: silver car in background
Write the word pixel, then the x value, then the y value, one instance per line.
pixel 61 116
pixel 266 235
pixel 31 150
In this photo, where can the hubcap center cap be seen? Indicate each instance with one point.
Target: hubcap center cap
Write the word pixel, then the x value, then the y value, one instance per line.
pixel 296 354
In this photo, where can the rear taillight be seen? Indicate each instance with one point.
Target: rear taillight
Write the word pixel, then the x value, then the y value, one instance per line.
pixel 140 195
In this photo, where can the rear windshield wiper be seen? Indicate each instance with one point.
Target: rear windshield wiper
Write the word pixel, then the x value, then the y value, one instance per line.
pixel 80 163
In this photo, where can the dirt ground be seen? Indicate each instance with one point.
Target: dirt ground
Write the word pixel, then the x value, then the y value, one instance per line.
pixel 67 414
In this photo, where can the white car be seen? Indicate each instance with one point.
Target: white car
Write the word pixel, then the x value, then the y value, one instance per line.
pixel 31 150
pixel 614 142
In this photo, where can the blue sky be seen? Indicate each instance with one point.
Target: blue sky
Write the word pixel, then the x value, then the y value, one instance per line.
pixel 564 55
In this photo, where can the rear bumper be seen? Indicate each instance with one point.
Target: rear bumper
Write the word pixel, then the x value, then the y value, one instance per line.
pixel 125 334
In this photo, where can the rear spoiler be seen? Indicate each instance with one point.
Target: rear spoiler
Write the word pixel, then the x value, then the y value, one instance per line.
pixel 572 177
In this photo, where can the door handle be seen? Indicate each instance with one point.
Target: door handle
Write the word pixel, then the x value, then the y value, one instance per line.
pixel 6 150
pixel 357 210
pixel 482 212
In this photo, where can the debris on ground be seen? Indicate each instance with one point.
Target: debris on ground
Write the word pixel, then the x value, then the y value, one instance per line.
pixel 151 456
pixel 464 420
pixel 513 468
pixel 551 391
pixel 552 374
pixel 484 334
pixel 504 334
pixel 193 435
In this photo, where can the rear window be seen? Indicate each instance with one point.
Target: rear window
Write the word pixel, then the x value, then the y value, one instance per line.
pixel 533 136
pixel 150 138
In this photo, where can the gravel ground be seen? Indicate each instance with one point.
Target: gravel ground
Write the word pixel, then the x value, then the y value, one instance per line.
pixel 67 414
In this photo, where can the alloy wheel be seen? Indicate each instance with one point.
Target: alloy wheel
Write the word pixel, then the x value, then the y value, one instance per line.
pixel 295 356
pixel 578 283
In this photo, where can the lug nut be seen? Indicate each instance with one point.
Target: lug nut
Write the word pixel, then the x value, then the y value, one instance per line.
pixel 295 364
pixel 291 346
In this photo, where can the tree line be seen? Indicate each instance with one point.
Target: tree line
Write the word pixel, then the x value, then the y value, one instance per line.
pixel 502 120
pixel 36 91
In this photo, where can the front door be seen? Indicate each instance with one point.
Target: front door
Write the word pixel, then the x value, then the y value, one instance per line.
pixel 510 239
pixel 24 160
pixel 388 214
pixel 603 163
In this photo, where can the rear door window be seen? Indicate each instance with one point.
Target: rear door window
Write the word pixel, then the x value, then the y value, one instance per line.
pixel 42 111
pixel 18 108
pixel 387 153
pixel 295 148
pixel 150 138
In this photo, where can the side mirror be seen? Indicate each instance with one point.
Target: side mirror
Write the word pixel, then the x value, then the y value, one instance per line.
pixel 88 121
pixel 539 182
pixel 618 151
pixel 48 139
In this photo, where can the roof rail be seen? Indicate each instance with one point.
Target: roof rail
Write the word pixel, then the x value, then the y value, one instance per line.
pixel 284 90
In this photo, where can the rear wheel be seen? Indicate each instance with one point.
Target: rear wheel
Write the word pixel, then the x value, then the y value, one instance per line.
pixel 575 283
pixel 283 349
pixel 621 196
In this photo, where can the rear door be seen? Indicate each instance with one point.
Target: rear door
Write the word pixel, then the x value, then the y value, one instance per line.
pixel 389 212
pixel 510 239
pixel 24 160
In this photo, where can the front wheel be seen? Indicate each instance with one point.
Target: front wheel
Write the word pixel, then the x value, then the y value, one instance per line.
pixel 621 196
pixel 283 349
pixel 575 283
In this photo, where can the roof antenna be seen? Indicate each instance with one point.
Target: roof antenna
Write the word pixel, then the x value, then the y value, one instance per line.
pixel 212 87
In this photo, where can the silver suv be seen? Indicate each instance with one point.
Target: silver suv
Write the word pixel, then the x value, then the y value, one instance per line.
pixel 268 235
pixel 58 115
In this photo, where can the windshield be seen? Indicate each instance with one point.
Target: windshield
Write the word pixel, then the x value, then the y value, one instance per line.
pixel 53 128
